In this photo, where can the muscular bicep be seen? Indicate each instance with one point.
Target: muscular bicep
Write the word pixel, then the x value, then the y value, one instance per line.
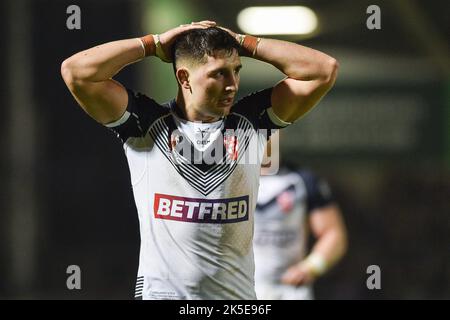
pixel 291 99
pixel 105 101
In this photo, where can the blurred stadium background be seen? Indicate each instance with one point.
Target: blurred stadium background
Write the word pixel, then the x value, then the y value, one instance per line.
pixel 381 137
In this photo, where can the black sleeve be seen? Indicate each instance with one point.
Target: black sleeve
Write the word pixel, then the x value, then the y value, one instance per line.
pixel 318 191
pixel 141 112
pixel 257 108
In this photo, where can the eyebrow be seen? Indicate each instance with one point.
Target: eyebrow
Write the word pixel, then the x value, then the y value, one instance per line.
pixel 239 67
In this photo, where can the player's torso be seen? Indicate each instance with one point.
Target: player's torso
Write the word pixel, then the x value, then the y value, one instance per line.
pixel 280 225
pixel 196 208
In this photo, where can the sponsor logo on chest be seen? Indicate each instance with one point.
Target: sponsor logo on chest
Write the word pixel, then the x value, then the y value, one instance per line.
pixel 200 210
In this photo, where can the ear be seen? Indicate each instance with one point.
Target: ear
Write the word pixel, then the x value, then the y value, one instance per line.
pixel 182 75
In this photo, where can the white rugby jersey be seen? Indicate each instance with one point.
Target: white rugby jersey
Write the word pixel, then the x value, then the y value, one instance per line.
pixel 196 216
pixel 281 228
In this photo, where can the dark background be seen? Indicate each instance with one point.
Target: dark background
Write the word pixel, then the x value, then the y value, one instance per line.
pixel 66 198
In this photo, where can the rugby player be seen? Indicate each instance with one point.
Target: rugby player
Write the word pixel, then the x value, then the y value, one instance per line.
pixel 292 205
pixel 196 212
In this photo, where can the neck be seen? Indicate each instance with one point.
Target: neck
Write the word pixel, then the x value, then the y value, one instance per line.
pixel 189 113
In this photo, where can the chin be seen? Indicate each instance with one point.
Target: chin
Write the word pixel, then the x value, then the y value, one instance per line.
pixel 219 112
pixel 225 111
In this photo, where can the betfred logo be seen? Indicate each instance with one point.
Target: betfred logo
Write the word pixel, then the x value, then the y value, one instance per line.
pixel 200 210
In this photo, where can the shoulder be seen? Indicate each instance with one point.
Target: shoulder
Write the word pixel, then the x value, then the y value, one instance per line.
pixel 140 113
pixel 257 107
pixel 317 189
pixel 137 99
pixel 259 98
pixel 308 176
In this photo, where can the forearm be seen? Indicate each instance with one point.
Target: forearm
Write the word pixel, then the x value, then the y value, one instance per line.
pixel 296 61
pixel 331 247
pixel 102 62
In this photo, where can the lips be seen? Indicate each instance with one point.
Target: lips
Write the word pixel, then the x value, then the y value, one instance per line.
pixel 226 101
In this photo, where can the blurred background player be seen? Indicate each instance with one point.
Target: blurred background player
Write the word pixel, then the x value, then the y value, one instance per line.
pixel 290 205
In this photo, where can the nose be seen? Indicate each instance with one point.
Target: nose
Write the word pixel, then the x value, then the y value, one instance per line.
pixel 232 83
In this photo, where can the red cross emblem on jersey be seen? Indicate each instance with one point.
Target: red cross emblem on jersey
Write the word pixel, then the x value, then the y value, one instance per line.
pixel 175 139
pixel 231 146
pixel 286 201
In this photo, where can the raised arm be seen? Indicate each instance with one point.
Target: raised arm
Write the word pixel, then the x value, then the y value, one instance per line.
pixel 88 74
pixel 310 73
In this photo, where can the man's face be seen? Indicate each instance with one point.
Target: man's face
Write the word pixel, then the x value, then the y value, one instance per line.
pixel 214 84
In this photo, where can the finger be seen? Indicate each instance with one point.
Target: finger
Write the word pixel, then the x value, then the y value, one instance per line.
pixel 301 279
pixel 196 26
pixel 294 276
pixel 298 280
pixel 200 24
pixel 288 277
pixel 289 281
pixel 286 281
pixel 205 24
pixel 208 22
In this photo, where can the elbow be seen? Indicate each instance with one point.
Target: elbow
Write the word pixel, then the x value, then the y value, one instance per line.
pixel 331 69
pixel 70 72
pixel 67 72
pixel 334 68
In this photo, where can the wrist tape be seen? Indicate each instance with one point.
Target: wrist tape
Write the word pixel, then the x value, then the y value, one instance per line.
pixel 317 263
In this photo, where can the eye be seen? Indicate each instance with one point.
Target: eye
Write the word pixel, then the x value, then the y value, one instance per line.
pixel 218 74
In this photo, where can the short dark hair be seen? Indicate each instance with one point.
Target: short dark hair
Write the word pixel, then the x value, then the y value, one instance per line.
pixel 194 44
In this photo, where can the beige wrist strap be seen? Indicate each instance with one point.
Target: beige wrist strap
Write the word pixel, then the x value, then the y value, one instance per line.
pixel 317 263
pixel 159 50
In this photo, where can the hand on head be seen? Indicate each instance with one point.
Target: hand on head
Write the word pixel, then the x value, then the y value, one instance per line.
pixel 168 38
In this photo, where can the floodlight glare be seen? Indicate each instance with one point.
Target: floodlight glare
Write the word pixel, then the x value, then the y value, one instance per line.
pixel 277 20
